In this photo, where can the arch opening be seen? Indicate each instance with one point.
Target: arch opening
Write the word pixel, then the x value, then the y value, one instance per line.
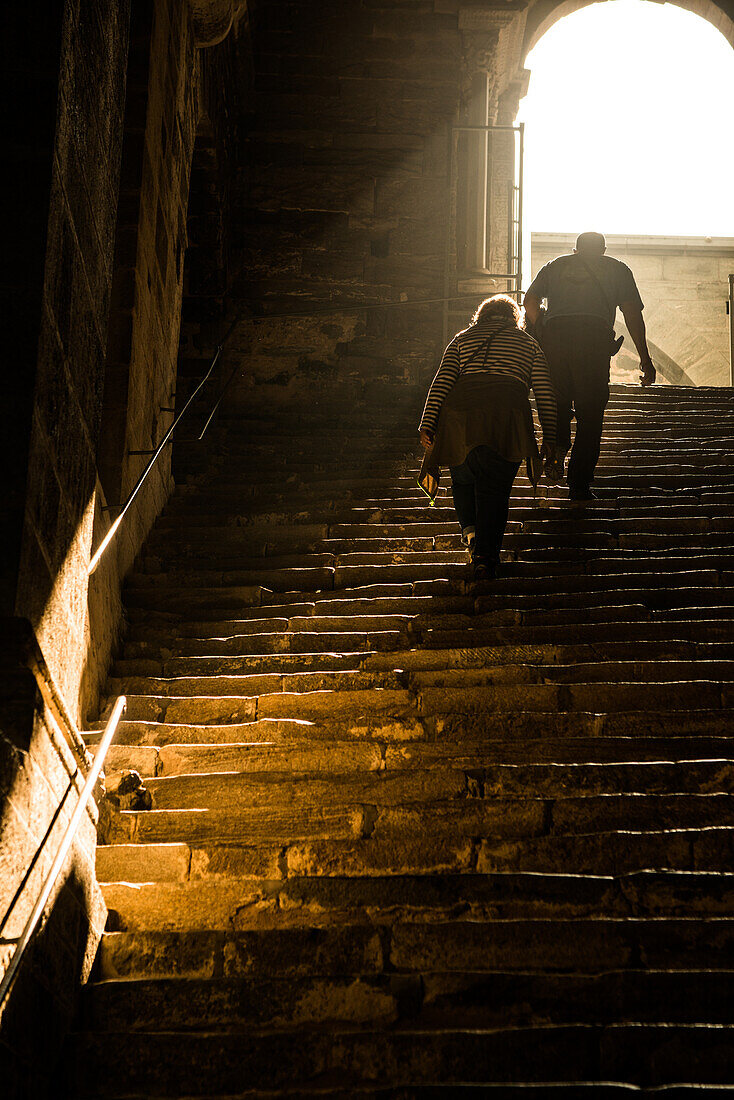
pixel 624 135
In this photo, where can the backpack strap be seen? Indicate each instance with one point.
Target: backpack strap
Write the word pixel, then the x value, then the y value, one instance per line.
pixel 616 341
pixel 598 285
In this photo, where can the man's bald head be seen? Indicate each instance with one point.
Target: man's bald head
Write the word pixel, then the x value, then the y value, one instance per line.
pixel 591 244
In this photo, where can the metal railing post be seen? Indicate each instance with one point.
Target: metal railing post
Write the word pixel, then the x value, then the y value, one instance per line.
pixel 731 330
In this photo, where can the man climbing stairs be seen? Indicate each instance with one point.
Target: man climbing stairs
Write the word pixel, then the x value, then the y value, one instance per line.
pixel 397 833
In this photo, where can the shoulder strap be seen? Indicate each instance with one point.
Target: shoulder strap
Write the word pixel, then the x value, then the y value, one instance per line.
pixel 479 351
pixel 598 285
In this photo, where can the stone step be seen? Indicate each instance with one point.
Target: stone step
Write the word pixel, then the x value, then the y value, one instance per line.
pixel 510 593
pixel 545 628
pixel 242 903
pixel 598 945
pixel 437 1000
pixel 614 852
pixel 312 755
pixel 169 1063
pixel 323 703
pixel 225 774
pixel 307 705
pixel 518 582
pixel 265 685
pixel 230 656
pixel 454 817
pixel 501 728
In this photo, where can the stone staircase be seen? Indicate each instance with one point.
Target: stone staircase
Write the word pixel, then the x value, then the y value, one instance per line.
pixel 400 834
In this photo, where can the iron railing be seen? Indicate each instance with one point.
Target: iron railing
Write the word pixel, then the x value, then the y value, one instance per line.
pixel 155 455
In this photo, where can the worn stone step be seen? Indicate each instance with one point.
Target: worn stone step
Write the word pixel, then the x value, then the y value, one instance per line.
pixel 208 657
pixel 606 673
pixel 247 663
pixel 601 696
pixel 606 853
pixel 468 1000
pixel 515 728
pixel 599 944
pixel 372 727
pixel 307 705
pixel 169 1063
pixel 156 650
pixel 544 631
pixel 218 789
pixel 304 902
pixel 265 683
pixel 224 638
pixel 454 818
pixel 349 950
pixel 303 754
pixel 333 758
pixel 415 660
pixel 144 585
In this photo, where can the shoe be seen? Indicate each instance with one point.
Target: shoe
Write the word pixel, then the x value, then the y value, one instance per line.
pixel 468 539
pixel 581 496
pixel 484 570
pixel 554 469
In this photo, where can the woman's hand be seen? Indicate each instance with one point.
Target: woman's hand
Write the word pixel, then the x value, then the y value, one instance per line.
pixel 426 439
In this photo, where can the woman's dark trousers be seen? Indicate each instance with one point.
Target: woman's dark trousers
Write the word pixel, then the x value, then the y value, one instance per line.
pixel 481 489
pixel 577 350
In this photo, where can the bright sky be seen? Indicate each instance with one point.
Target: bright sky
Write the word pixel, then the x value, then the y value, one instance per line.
pixel 628 123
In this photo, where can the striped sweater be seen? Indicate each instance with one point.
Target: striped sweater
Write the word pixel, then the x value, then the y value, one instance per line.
pixel 512 354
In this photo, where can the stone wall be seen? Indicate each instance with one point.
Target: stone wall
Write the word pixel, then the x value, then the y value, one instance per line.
pixel 102 318
pixel 75 171
pixel 98 171
pixel 69 69
pixel 39 772
pixel 161 112
pixel 345 191
pixel 684 283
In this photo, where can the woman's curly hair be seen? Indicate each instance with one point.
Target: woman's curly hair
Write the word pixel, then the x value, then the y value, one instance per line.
pixel 500 305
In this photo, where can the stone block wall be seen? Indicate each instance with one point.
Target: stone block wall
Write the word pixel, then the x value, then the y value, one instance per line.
pixel 684 283
pixel 160 118
pixel 38 774
pixel 344 195
pixel 68 76
pixel 63 364
pixel 347 194
pixel 98 161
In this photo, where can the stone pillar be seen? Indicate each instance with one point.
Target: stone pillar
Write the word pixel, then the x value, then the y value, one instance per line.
pixel 491 37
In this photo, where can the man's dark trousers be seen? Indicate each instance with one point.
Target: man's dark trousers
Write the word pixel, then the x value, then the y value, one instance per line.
pixel 577 350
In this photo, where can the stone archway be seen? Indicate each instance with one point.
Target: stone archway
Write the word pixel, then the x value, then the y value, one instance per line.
pixel 545 13
pixel 682 278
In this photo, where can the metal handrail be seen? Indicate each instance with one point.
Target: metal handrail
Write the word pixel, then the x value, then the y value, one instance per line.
pixel 151 463
pixel 166 438
pixel 63 850
pixel 326 311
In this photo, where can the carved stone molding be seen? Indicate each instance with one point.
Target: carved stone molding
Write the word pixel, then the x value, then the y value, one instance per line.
pixel 509 100
pixel 491 36
pixel 213 19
